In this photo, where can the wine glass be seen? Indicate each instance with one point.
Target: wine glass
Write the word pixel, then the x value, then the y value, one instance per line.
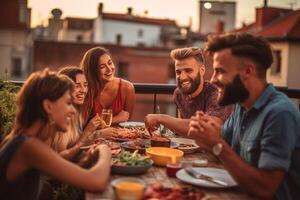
pixel 106 117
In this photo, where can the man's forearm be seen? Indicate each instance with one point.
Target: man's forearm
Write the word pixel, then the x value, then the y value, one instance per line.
pixel 177 125
pixel 259 182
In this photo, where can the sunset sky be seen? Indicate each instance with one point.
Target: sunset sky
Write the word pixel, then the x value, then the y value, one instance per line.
pixel 179 10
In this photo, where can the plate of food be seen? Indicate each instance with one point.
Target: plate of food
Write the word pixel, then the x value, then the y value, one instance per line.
pixel 158 191
pixel 127 163
pixel 186 145
pixel 132 124
pixel 131 133
pixel 114 147
pixel 141 145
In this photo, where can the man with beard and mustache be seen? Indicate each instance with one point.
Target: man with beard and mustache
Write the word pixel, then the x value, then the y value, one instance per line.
pixel 259 144
pixel 192 93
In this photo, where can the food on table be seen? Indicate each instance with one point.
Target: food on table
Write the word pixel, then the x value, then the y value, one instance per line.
pixel 178 192
pixel 131 159
pixel 132 133
pixel 114 147
pixel 159 141
pixel 183 145
pixel 139 144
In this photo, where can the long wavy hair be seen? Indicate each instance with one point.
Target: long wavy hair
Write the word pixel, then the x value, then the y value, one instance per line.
pixel 90 66
pixel 63 141
pixel 38 87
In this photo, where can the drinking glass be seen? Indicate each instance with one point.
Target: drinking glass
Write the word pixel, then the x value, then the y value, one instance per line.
pixel 106 117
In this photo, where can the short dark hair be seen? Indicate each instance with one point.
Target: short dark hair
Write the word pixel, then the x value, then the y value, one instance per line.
pixel 244 45
pixel 71 72
pixel 183 53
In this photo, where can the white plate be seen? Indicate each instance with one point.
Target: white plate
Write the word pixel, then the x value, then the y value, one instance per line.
pixel 132 124
pixel 186 141
pixel 219 174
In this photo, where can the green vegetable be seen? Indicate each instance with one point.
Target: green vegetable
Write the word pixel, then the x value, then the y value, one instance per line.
pixel 129 159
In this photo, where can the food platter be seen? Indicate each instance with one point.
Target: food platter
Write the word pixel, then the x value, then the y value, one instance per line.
pixel 131 133
pixel 158 191
pixel 186 145
pixel 132 124
pixel 141 145
pixel 114 147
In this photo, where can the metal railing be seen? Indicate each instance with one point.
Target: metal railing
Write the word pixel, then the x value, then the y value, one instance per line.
pixel 155 89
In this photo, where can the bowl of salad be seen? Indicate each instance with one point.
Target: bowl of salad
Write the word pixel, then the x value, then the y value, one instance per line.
pixel 127 163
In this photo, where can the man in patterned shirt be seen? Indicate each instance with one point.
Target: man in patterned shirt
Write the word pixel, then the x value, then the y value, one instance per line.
pixel 192 93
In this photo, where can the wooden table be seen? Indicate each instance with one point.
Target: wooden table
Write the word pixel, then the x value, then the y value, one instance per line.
pixel 158 175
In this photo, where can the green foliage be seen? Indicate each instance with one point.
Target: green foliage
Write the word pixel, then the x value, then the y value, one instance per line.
pixel 67 192
pixel 8 92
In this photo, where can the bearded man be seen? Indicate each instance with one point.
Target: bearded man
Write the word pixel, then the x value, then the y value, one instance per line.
pixel 192 93
pixel 259 145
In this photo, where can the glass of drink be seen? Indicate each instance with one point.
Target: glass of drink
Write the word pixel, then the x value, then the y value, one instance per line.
pixel 106 117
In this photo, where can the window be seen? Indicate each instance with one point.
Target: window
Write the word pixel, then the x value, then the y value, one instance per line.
pixel 276 66
pixel 171 73
pixel 123 70
pixel 119 39
pixel 16 70
pixel 140 33
pixel 79 38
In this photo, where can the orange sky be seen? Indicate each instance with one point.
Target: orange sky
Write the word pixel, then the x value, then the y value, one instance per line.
pixel 179 10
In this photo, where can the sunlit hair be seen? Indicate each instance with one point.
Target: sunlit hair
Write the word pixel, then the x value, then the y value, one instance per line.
pixel 71 72
pixel 63 141
pixel 183 53
pixel 244 45
pixel 90 66
pixel 37 88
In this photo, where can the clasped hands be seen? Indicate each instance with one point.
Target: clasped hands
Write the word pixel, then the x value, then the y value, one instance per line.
pixel 205 129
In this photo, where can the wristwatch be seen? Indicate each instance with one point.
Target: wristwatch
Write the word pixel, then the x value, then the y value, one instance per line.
pixel 217 149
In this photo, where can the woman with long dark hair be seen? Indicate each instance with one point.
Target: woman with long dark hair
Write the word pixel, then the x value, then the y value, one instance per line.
pixel 105 90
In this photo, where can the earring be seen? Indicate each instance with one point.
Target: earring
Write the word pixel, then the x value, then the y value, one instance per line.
pixel 51 122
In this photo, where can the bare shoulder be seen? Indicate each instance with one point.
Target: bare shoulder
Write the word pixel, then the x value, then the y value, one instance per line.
pixel 34 145
pixel 127 85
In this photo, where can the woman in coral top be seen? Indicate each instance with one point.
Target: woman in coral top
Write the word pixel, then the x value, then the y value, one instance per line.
pixel 105 90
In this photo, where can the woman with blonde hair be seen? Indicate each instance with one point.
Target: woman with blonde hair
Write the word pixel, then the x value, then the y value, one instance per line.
pixel 105 90
pixel 69 144
pixel 44 107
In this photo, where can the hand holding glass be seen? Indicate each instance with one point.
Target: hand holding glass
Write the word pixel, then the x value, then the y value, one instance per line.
pixel 106 117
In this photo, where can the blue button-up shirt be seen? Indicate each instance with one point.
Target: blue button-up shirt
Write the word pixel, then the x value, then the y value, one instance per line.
pixel 267 136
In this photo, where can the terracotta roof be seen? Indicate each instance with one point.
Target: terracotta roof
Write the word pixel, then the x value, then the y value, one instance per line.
pixel 79 23
pixel 246 28
pixel 289 26
pixel 282 27
pixel 137 19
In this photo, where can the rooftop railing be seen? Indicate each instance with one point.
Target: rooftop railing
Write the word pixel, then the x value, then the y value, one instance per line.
pixel 155 89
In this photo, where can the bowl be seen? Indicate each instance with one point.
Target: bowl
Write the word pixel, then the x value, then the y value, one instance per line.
pixel 129 188
pixel 130 170
pixel 186 145
pixel 162 155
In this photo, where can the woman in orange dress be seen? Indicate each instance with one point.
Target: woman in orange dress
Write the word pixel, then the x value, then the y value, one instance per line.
pixel 105 91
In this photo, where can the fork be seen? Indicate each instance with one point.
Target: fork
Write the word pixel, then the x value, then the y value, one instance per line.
pixel 195 174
